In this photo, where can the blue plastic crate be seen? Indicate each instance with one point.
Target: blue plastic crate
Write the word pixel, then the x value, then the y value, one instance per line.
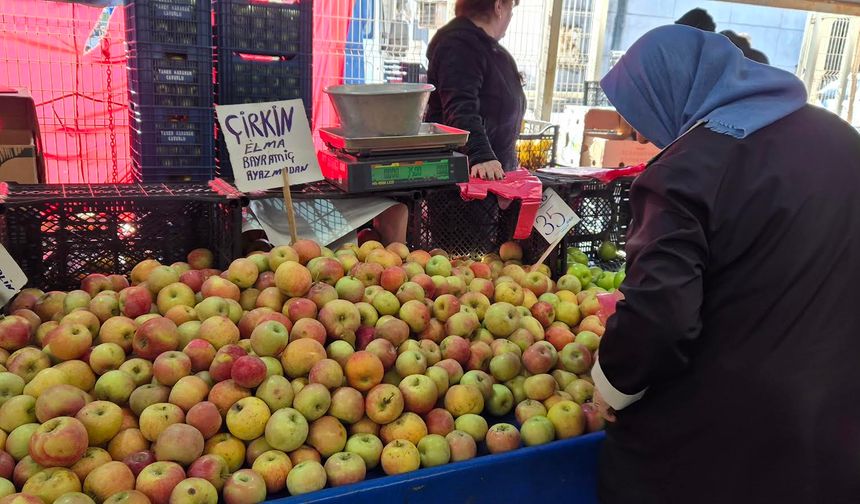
pixel 172 138
pixel 263 27
pixel 246 78
pixel 562 471
pixel 170 76
pixel 178 22
pixel 223 167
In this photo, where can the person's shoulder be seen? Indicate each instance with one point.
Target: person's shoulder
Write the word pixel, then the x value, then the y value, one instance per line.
pixel 701 145
pixel 812 119
pixel 458 29
pixel 697 160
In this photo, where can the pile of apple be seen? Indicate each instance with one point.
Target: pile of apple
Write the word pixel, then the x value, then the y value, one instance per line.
pixel 291 370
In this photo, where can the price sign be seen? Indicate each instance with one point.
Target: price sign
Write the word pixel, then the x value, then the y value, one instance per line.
pixel 12 279
pixel 554 217
pixel 267 141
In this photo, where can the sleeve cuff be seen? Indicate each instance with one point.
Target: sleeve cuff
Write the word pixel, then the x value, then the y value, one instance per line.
pixel 614 397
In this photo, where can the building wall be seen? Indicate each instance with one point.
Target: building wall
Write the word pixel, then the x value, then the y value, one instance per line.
pixel 776 32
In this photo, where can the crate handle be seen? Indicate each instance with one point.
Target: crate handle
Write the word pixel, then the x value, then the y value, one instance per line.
pixel 175 118
pixel 176 56
pixel 278 2
pixel 262 58
pixel 547 127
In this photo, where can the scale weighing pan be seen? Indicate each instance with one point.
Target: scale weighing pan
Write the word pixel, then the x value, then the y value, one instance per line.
pixel 431 137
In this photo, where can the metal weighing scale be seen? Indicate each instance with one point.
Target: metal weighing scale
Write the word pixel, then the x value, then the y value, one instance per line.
pixel 361 165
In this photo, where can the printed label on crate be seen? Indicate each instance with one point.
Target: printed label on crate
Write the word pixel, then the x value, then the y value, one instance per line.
pixel 12 279
pixel 264 139
pixel 176 75
pixel 169 10
pixel 554 217
pixel 174 136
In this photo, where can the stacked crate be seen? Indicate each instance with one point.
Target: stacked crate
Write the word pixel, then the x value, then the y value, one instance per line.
pixel 170 90
pixel 263 53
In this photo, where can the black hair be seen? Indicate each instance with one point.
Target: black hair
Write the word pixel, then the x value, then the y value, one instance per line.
pixel 478 8
pixel 698 18
pixel 744 45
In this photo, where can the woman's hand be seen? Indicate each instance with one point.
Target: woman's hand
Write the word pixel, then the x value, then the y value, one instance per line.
pixel 489 170
pixel 603 407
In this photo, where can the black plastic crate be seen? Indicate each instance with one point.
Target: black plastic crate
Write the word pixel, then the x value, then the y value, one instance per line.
pixel 262 27
pixel 440 218
pixel 170 76
pixel 172 138
pixel 246 78
pixel 537 145
pixel 60 233
pixel 604 210
pixel 177 22
pixel 594 96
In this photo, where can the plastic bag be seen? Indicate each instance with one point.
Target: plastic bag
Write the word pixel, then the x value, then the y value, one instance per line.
pixel 608 301
pixel 519 184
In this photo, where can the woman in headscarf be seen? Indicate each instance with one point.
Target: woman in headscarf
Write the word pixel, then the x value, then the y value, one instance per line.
pixel 730 371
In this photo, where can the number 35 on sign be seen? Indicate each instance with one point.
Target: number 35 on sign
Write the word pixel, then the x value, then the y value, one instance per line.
pixel 554 217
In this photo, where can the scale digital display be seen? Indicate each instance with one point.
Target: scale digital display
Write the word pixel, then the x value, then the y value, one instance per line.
pixel 391 173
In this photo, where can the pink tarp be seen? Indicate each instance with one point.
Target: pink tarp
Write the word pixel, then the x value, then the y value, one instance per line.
pixel 82 96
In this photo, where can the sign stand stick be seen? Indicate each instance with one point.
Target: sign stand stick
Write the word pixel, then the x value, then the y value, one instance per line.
pixel 546 253
pixel 288 204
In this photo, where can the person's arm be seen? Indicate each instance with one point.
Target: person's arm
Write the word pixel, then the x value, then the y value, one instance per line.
pixel 645 339
pixel 460 75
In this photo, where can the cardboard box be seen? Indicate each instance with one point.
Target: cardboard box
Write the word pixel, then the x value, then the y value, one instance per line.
pixel 604 153
pixel 609 142
pixel 606 123
pixel 20 144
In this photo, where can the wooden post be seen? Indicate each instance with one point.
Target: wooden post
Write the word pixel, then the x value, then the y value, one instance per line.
pixel 852 94
pixel 551 60
pixel 288 204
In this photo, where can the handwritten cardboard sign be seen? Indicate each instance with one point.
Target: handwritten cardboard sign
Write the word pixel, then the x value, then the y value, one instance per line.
pixel 12 279
pixel 554 218
pixel 264 139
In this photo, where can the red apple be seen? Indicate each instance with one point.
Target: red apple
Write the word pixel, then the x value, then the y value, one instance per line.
pixel 59 442
pixel 154 337
pixel 135 301
pixel 138 461
pixel 248 371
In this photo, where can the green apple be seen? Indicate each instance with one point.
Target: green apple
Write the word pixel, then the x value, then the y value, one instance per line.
pixel 438 265
pixel 607 251
pixel 501 401
pixel 537 430
pixel 606 280
pixel 619 278
pixel 366 446
pixel 582 272
pixel 434 450
pixel 590 340
pixel 575 255
pixel 473 425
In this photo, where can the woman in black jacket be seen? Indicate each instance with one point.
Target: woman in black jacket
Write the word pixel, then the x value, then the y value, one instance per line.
pixel 478 86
